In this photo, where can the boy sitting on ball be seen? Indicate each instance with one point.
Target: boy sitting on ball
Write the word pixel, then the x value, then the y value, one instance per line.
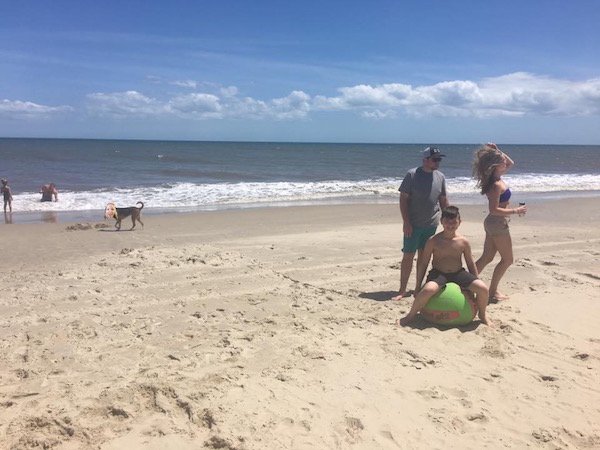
pixel 448 249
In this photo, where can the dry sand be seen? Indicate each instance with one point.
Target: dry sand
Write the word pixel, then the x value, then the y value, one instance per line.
pixel 269 328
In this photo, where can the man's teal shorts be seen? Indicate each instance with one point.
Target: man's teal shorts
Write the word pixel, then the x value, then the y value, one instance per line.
pixel 418 239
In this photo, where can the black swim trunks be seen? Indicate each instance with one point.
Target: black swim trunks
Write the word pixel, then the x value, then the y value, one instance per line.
pixel 462 277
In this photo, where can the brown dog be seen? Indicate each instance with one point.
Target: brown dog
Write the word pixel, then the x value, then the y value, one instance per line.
pixel 120 213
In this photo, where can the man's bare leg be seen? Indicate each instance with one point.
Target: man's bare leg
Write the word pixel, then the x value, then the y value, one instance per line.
pixel 405 270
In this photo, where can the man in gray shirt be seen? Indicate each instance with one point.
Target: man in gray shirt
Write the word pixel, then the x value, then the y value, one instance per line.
pixel 422 197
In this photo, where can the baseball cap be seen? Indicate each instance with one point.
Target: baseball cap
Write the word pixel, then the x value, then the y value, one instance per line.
pixel 432 151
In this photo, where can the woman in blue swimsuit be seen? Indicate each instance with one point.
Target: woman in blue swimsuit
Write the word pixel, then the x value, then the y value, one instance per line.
pixel 489 166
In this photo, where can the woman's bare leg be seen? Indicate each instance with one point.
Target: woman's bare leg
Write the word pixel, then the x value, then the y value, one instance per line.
pixel 503 243
pixel 489 251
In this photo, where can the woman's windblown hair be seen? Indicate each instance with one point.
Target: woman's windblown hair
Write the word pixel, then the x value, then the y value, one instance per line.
pixel 487 158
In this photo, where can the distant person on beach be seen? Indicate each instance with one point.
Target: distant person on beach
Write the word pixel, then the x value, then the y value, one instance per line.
pixel 48 191
pixel 448 249
pixel 488 167
pixel 7 194
pixel 422 194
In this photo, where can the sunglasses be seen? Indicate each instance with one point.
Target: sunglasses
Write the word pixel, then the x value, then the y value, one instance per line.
pixel 436 159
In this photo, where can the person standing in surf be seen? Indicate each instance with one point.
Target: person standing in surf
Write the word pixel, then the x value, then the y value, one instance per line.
pixel 48 191
pixel 6 194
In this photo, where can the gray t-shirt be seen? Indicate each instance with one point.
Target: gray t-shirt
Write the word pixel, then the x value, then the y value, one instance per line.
pixel 425 190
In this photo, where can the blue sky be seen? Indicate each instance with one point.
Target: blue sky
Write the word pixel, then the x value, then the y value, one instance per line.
pixel 327 71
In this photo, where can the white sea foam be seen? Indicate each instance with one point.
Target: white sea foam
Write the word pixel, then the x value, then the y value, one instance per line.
pixel 535 183
pixel 189 195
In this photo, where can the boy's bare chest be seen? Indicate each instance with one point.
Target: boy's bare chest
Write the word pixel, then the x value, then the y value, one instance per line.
pixel 449 247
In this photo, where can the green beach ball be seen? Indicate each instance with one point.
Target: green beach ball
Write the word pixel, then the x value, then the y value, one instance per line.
pixel 450 306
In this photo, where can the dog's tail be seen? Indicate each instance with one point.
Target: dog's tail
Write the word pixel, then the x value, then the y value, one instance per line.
pixel 140 203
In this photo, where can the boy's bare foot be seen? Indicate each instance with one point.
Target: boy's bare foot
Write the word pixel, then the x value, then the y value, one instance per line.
pixel 404 321
pixel 487 321
pixel 401 295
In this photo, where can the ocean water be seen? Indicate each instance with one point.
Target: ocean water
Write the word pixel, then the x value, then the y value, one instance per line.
pixel 188 176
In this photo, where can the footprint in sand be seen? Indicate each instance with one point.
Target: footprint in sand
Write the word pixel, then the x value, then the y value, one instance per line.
pixel 478 417
pixel 418 361
pixel 45 431
pixel 561 437
pixel 494 376
pixel 506 328
pixel 117 412
pixel 218 442
pixel 494 348
pixel 207 418
pixel 354 427
pixel 431 394
pixel 387 434
pixel 442 419
pixel 548 263
pixel 544 435
pixel 589 275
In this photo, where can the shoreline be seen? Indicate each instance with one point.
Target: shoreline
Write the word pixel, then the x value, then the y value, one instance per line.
pixel 66 217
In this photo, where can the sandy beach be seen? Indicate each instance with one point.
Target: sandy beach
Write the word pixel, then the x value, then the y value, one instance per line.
pixel 271 329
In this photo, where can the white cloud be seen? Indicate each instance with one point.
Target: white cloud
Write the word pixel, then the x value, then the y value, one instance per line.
pixel 122 104
pixel 17 109
pixel 230 91
pixel 191 84
pixel 449 93
pixel 294 106
pixel 200 105
pixel 369 96
pixel 248 107
pixel 188 84
pixel 196 105
pixel 524 93
pixel 378 114
pixel 515 94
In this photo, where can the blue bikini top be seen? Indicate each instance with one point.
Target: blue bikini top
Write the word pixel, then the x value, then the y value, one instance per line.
pixel 505 196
